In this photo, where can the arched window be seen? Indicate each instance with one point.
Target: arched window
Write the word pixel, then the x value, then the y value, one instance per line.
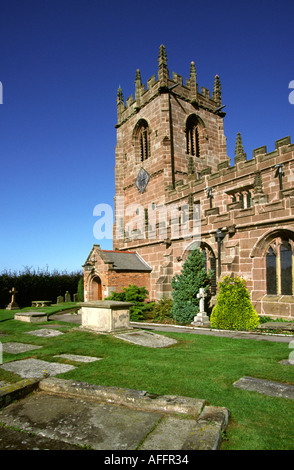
pixel 279 267
pixel 141 140
pixel 192 136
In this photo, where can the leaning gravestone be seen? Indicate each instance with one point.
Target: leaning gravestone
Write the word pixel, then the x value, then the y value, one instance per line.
pixel 60 299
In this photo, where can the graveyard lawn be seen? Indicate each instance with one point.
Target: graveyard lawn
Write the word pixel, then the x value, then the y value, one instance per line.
pixel 198 366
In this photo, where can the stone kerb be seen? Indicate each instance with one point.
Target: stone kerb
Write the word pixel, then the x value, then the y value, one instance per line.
pixel 105 316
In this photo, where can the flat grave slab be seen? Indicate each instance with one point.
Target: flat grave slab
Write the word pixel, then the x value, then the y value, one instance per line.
pixel 78 358
pixel 31 317
pixel 147 339
pixel 74 421
pixel 17 348
pixel 44 332
pixel 29 368
pixel 267 387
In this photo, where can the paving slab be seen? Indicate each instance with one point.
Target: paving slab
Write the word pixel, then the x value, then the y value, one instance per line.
pixel 28 368
pixel 78 358
pixel 17 348
pixel 147 339
pixel 44 332
pixel 267 387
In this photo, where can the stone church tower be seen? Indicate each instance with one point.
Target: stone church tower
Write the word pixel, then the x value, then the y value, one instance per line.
pixel 171 133
pixel 175 189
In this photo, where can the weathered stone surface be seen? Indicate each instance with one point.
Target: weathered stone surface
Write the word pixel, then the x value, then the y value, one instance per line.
pixel 31 317
pixel 123 396
pixel 17 348
pixel 78 358
pixel 267 387
pixel 205 436
pixel 45 332
pixel 170 434
pixel 75 421
pixel 147 339
pixel 15 391
pixel 35 368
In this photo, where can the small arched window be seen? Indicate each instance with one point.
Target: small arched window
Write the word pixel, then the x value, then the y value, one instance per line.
pixel 192 136
pixel 143 139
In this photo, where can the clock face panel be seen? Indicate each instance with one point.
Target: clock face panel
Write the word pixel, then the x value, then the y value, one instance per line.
pixel 142 180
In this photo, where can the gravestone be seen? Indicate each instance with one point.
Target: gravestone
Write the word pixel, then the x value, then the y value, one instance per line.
pixel 13 304
pixel 67 297
pixel 60 299
pixel 201 319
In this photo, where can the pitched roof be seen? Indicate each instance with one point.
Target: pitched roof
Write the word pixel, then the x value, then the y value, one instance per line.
pixel 126 261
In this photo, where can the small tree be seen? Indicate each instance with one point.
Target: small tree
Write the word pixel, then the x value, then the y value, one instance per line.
pixel 234 310
pixel 186 287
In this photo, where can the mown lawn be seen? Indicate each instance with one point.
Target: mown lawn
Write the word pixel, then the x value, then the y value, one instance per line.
pixel 197 366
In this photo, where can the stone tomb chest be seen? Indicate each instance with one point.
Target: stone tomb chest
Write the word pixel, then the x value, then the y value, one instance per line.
pixel 106 316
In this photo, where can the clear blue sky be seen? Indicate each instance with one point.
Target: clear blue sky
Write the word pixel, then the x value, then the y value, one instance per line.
pixel 61 63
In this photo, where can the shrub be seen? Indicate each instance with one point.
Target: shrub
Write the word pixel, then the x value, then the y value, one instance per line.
pixel 136 295
pixel 234 310
pixel 186 287
pixel 161 311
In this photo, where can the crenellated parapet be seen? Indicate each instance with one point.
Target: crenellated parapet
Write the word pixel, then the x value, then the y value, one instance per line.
pixel 164 83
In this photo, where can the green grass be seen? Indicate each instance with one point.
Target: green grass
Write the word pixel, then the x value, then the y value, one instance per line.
pixel 197 366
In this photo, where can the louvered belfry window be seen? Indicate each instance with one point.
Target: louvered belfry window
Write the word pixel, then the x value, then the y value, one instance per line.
pixel 144 141
pixel 192 136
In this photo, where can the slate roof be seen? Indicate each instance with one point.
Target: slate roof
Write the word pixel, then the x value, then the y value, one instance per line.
pixel 126 261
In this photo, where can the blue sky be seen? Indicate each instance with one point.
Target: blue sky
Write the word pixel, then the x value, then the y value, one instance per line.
pixel 61 63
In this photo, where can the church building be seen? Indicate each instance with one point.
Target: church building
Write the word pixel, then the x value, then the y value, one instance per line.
pixel 175 190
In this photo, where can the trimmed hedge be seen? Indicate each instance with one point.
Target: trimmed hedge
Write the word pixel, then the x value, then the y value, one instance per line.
pixel 36 285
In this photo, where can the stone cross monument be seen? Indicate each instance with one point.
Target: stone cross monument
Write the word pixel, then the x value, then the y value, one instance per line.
pixel 201 319
pixel 13 304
